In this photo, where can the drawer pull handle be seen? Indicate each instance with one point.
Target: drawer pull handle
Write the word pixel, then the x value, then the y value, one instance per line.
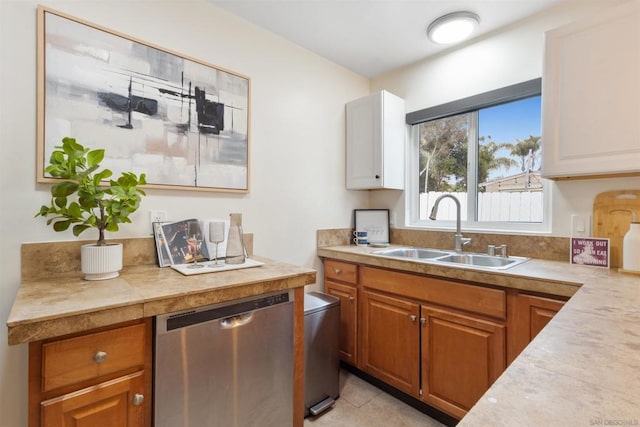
pixel 138 399
pixel 413 317
pixel 338 271
pixel 351 298
pixel 99 357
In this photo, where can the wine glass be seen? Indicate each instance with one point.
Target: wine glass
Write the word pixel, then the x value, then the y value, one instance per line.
pixel 194 240
pixel 216 235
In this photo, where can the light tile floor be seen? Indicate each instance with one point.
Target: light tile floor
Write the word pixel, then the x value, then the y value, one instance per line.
pixel 364 405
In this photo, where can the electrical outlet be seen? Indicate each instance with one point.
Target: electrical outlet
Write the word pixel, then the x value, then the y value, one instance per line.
pixel 157 216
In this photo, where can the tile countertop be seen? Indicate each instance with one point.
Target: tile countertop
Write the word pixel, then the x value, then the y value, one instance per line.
pixel 65 303
pixel 582 369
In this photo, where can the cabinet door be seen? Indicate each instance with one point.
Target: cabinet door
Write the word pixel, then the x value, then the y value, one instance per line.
pixel 590 92
pixel 113 403
pixel 528 315
pixel 375 142
pixel 461 357
pixel 390 340
pixel 364 143
pixel 348 319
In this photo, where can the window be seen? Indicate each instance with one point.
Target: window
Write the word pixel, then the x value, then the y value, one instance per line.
pixel 486 152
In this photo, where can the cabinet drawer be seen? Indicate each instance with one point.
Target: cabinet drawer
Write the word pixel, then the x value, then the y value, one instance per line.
pixel 341 271
pixel 72 360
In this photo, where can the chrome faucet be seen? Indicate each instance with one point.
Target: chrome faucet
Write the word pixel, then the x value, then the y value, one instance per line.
pixel 459 241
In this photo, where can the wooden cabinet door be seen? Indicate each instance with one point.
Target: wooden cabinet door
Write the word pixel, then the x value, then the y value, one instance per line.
pixel 391 340
pixel 348 318
pixel 461 357
pixel 528 315
pixel 113 403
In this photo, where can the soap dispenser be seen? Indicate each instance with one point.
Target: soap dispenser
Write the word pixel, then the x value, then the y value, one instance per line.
pixel 631 246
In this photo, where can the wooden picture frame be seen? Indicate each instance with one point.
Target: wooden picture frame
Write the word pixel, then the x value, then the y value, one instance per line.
pixel 181 121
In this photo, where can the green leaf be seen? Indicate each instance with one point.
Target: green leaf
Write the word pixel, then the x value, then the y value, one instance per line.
pixel 94 157
pixel 57 157
pixel 74 210
pixel 112 227
pixel 101 176
pixel 64 189
pixel 61 225
pixel 60 202
pixel 44 210
pixel 79 228
pixel 70 146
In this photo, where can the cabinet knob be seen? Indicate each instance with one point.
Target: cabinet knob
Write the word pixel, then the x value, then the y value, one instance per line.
pixel 413 317
pixel 423 320
pixel 351 298
pixel 337 271
pixel 377 176
pixel 99 357
pixel 138 399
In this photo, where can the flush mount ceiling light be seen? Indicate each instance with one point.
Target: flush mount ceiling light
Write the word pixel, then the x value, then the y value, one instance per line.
pixel 452 27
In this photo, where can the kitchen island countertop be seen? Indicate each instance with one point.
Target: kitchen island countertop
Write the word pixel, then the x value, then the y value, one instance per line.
pixel 583 369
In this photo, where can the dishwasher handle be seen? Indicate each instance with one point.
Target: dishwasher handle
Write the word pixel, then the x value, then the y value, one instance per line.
pixel 236 321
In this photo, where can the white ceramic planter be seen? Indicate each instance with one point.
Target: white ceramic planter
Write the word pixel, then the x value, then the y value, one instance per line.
pixel 101 262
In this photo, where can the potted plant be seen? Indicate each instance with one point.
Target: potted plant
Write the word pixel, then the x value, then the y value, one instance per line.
pixel 85 201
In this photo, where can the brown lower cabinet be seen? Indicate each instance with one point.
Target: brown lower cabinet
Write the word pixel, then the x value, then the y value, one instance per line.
pixel 441 341
pixel 341 281
pixel 390 340
pixel 106 404
pixel 528 315
pixel 348 296
pixel 461 357
pixel 98 378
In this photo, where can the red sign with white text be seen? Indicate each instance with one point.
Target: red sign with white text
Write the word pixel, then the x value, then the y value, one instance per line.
pixel 590 251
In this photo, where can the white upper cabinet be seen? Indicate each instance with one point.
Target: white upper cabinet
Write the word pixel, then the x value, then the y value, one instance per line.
pixel 376 142
pixel 591 96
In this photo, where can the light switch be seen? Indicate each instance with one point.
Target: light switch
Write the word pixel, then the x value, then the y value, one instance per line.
pixel 580 225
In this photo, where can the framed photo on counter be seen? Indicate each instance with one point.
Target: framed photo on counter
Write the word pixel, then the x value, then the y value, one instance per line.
pixel 179 242
pixel 375 222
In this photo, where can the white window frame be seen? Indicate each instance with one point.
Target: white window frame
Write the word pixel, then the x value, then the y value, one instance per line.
pixel 472 104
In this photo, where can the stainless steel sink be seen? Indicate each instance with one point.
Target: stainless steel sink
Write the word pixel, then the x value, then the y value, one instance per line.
pixel 479 260
pixel 417 253
pixel 449 257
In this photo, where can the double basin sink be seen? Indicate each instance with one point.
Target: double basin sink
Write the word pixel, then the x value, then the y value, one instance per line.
pixel 438 256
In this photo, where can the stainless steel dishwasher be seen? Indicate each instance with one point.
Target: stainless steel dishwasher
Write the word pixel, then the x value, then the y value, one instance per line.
pixel 228 364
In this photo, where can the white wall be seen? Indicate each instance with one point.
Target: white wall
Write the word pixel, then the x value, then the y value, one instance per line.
pixel 297 142
pixel 508 56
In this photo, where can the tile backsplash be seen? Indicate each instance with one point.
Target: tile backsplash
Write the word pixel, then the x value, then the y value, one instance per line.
pixel 531 246
pixel 43 259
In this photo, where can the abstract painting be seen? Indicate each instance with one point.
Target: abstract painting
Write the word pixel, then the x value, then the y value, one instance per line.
pixel 182 122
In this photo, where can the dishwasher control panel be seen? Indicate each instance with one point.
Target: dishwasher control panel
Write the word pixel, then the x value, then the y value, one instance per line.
pixel 177 320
